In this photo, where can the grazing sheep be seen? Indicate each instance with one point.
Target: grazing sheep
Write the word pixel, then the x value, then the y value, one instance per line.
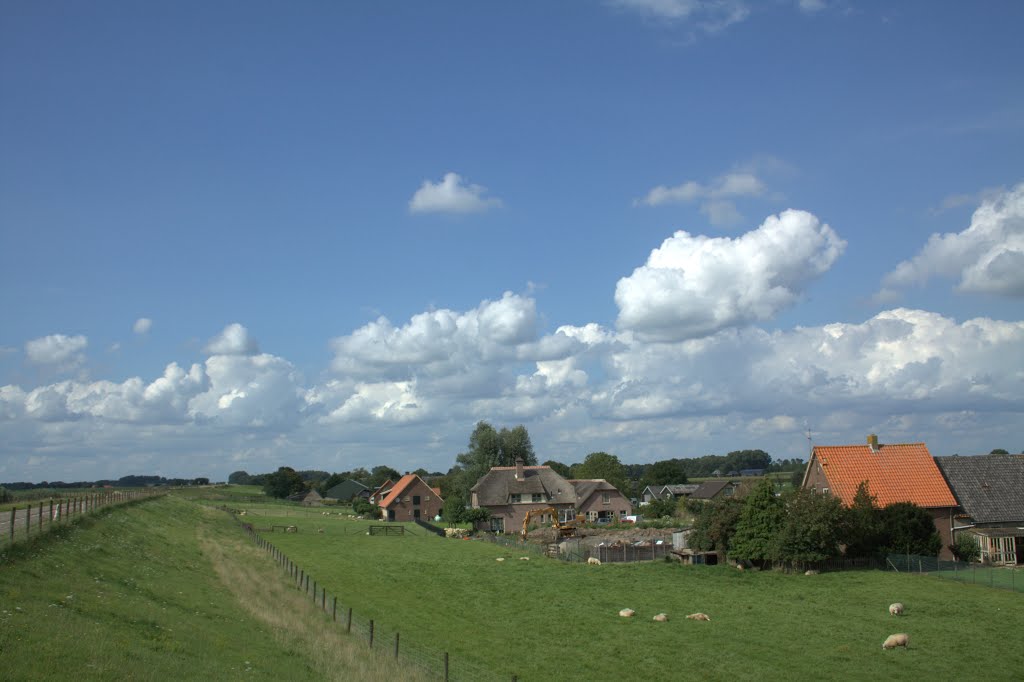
pixel 524 558
pixel 594 561
pixel 501 558
pixel 291 529
pixel 699 616
pixel 810 571
pixel 896 609
pixel 319 530
pixel 661 618
pixel 892 641
pixel 739 567
pixel 241 513
pixel 627 613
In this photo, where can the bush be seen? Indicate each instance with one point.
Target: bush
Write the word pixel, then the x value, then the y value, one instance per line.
pixel 965 548
pixel 363 507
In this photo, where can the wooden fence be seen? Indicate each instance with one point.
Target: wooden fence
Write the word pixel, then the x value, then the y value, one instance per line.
pixel 378 636
pixel 20 523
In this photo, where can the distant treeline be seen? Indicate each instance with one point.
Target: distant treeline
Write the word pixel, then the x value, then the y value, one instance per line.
pixel 123 482
pixel 715 465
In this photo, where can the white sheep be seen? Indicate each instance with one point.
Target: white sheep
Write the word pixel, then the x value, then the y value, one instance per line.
pixel 661 618
pixel 627 613
pixel 810 571
pixel 892 641
pixel 501 558
pixel 319 530
pixel 896 609
pixel 524 558
pixel 594 561
pixel 699 616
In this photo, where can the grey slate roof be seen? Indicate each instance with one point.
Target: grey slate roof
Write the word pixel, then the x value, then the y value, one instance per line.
pixel 680 489
pixel 708 489
pixel 497 485
pixel 588 486
pixel 346 490
pixel 989 488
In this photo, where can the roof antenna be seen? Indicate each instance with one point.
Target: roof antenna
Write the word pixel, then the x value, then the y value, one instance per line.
pixel 810 443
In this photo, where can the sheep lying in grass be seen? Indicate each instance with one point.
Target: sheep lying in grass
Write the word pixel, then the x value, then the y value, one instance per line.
pixel 810 571
pixel 594 561
pixel 699 616
pixel 892 641
pixel 627 613
pixel 501 558
pixel 896 609
pixel 524 558
pixel 661 618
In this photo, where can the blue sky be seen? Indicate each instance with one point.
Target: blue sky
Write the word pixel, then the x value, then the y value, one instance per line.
pixel 328 235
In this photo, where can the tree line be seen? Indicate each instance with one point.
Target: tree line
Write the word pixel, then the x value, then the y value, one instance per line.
pixel 133 481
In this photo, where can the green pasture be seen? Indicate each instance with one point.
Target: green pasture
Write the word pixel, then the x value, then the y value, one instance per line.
pixel 544 619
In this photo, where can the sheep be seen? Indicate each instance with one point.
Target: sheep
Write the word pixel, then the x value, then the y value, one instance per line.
pixel 739 567
pixel 661 618
pixel 524 558
pixel 627 613
pixel 501 558
pixel 892 641
pixel 896 609
pixel 594 561
pixel 291 529
pixel 699 616
pixel 319 530
pixel 810 571
pixel 241 513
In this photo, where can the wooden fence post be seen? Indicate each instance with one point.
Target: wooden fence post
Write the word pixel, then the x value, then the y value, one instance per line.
pixel 348 628
pixel 396 645
pixel 39 519
pixel 13 515
pixel 334 611
pixel 28 521
pixel 446 666
pixel 50 520
pixel 371 633
pixel 323 599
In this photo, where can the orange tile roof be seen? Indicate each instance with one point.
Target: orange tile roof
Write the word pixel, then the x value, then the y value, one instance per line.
pixel 402 484
pixel 379 490
pixel 898 472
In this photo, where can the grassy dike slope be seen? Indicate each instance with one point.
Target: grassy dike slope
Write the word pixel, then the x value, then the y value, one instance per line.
pixel 165 589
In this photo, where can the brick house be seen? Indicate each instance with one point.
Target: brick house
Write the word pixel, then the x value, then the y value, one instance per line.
pixel 381 492
pixel 411 499
pixel 990 492
pixel 510 492
pixel 896 472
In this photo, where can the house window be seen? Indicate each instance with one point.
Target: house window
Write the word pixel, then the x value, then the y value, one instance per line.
pixel 516 498
pixel 537 497
pixel 416 500
pixel 606 498
pixel 824 491
pixel 728 491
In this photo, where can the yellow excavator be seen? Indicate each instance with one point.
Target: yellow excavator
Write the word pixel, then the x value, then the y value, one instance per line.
pixel 565 530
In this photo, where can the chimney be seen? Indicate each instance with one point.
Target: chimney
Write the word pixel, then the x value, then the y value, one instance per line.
pixel 873 442
pixel 519 468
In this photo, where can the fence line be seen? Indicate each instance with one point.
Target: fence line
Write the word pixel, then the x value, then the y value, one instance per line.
pixel 19 524
pixel 378 636
pixel 1001 577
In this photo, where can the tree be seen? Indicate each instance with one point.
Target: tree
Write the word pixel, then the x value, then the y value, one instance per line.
pixel 665 472
pixel 999 451
pixel 715 524
pixel 330 482
pixel 513 444
pixel 757 532
pixel 908 528
pixel 455 502
pixel 603 465
pixel 965 548
pixel 862 524
pixel 283 483
pixel 5 494
pixel 812 527
pixel 240 478
pixel 656 509
pixel 562 470
pixel 380 474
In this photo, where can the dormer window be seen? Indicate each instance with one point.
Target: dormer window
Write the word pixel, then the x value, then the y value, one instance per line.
pixel 516 498
pixel 537 497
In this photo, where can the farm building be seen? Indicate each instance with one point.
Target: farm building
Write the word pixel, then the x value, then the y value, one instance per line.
pixel 896 472
pixel 510 492
pixel 307 498
pixel 411 499
pixel 672 490
pixel 990 492
pixel 713 490
pixel 380 493
pixel 347 491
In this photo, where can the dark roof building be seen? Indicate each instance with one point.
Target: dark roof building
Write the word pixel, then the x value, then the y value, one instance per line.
pixel 989 488
pixel 346 490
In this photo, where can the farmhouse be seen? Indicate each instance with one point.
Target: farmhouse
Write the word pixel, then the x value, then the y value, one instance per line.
pixel 896 472
pixel 411 499
pixel 510 492
pixel 990 492
pixel 347 491
pixel 713 490
pixel 671 491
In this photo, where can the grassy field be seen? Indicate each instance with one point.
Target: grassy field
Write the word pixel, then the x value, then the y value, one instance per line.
pixel 544 619
pixel 161 590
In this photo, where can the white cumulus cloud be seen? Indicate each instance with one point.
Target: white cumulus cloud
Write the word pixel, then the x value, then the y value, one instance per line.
pixel 715 197
pixel 708 15
pixel 693 285
pixel 987 257
pixel 142 325
pixel 452 195
pixel 234 339
pixel 64 352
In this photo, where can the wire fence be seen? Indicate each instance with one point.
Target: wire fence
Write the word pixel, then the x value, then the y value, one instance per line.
pixel 20 523
pixel 383 638
pixel 1001 577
